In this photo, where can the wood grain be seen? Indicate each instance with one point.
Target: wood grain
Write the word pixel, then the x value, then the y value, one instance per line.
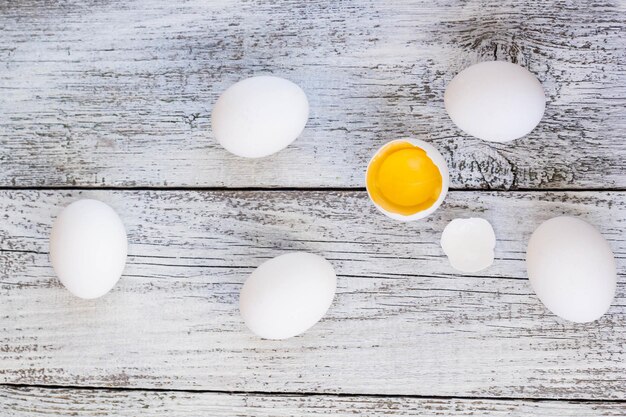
pixel 119 92
pixel 403 322
pixel 23 402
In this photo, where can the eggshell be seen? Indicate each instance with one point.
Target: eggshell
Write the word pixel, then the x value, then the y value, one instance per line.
pixel 259 116
pixel 438 160
pixel 469 244
pixel 495 101
pixel 287 295
pixel 88 248
pixel 572 269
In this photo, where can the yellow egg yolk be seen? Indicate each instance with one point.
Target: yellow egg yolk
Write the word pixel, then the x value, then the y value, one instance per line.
pixel 402 179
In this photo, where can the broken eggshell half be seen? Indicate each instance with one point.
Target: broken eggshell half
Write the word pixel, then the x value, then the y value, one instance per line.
pixel 407 179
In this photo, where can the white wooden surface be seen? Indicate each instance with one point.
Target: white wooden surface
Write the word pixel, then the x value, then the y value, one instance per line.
pixel 117 95
pixel 403 321
pixel 27 402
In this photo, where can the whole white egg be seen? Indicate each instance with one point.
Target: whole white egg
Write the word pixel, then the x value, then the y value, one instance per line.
pixel 259 116
pixel 287 295
pixel 495 101
pixel 572 269
pixel 88 248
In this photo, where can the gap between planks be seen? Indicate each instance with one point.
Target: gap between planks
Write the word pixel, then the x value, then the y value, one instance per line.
pixel 310 394
pixel 296 189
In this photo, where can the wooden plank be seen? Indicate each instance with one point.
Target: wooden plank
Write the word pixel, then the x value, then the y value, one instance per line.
pixel 403 321
pixel 22 402
pixel 119 93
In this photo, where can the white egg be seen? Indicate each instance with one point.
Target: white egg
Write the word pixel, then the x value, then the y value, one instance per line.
pixel 469 244
pixel 572 269
pixel 259 116
pixel 495 101
pixel 88 248
pixel 287 295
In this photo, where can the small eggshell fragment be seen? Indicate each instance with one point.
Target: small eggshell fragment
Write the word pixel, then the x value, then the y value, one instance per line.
pixel 495 101
pixel 572 269
pixel 287 295
pixel 469 244
pixel 88 248
pixel 259 116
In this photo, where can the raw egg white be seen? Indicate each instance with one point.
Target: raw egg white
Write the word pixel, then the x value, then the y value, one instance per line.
pixel 495 101
pixel 88 248
pixel 287 295
pixel 572 269
pixel 407 179
pixel 259 116
pixel 469 244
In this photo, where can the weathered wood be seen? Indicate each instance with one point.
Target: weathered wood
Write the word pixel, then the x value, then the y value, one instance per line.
pixel 119 93
pixel 28 402
pixel 403 321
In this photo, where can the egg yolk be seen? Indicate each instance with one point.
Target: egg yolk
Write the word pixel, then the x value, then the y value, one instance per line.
pixel 403 179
